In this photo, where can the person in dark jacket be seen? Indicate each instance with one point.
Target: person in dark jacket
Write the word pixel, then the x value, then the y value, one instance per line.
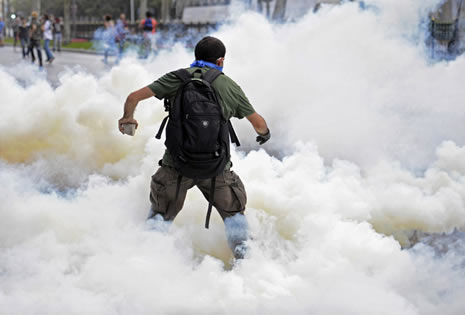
pixel 35 35
pixel 23 34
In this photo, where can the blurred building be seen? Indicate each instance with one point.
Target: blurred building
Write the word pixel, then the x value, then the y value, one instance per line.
pixel 215 11
pixel 204 11
pixel 191 3
pixel 448 30
pixel 297 8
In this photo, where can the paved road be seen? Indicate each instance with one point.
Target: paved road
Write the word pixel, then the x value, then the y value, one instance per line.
pixel 91 63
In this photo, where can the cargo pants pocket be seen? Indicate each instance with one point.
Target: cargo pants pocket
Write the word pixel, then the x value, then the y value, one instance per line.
pixel 238 189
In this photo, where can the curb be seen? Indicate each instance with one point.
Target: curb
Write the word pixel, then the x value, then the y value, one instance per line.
pixel 80 51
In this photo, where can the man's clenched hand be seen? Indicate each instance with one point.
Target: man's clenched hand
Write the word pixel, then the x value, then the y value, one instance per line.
pixel 261 139
pixel 123 121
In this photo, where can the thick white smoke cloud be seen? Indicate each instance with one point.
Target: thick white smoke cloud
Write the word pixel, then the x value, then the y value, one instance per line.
pixel 352 81
pixel 367 146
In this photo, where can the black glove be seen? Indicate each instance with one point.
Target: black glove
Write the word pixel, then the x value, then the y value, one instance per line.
pixel 261 139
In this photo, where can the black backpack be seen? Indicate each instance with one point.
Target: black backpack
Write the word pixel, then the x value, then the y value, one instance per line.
pixel 197 133
pixel 148 25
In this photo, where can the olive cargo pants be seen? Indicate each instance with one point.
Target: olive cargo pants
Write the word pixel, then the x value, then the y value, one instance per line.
pixel 229 199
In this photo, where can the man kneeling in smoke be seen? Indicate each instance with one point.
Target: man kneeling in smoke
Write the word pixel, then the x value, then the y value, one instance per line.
pixel 168 186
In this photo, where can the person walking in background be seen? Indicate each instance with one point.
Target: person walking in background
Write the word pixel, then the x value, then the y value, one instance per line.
pixel 35 34
pixel 52 22
pixel 16 24
pixel 23 35
pixel 108 37
pixel 48 36
pixel 121 32
pixel 149 28
pixel 2 26
pixel 57 36
pixel 197 140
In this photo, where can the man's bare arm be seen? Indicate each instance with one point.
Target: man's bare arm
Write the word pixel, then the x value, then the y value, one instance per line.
pixel 258 123
pixel 130 106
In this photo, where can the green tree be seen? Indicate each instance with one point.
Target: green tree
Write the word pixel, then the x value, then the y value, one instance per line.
pixel 95 9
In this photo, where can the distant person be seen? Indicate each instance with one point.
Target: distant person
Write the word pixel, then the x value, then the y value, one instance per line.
pixel 2 26
pixel 15 26
pixel 108 37
pixel 35 35
pixel 121 32
pixel 197 140
pixel 57 36
pixel 23 34
pixel 48 36
pixel 52 21
pixel 149 28
pixel 133 37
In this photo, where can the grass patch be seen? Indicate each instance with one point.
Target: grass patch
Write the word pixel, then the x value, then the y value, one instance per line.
pixel 79 45
pixel 72 45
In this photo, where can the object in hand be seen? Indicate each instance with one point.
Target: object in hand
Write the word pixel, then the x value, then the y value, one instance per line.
pixel 129 129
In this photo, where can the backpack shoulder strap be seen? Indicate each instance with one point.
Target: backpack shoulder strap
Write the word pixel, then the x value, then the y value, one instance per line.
pixel 182 74
pixel 211 75
pixel 210 201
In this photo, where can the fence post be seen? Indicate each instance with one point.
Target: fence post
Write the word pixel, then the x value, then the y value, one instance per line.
pixel 66 22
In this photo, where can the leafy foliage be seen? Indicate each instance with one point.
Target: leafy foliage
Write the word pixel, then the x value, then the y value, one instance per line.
pixel 85 8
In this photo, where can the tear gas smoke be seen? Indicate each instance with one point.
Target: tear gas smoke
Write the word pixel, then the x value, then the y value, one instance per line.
pixel 368 146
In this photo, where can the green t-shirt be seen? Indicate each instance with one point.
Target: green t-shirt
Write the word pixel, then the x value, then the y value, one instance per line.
pixel 232 99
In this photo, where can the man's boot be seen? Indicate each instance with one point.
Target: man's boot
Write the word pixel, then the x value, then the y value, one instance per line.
pixel 237 234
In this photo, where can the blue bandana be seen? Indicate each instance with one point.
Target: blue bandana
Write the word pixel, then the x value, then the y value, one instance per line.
pixel 201 64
